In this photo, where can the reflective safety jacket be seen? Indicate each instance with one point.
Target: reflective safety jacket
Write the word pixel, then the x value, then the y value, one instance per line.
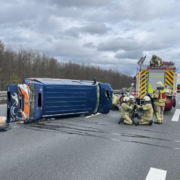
pixel 154 62
pixel 162 96
pixel 147 112
pixel 125 109
pixel 159 97
pixel 115 100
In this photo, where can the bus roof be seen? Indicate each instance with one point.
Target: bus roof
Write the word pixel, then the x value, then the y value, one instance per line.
pixel 51 81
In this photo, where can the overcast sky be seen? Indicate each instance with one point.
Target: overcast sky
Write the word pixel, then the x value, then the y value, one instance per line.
pixel 107 33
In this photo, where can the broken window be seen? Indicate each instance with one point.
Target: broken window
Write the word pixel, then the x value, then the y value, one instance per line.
pixel 108 95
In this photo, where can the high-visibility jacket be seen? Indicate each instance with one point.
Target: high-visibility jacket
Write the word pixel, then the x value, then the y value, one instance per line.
pixel 125 108
pixel 159 97
pixel 154 62
pixel 115 100
pixel 162 96
pixel 147 111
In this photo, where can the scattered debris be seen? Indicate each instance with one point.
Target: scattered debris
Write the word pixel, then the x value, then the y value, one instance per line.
pixel 3 124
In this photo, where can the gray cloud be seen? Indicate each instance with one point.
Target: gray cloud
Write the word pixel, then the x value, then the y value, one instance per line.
pixel 118 44
pixel 110 34
pixel 95 29
pixel 129 54
pixel 89 45
pixel 72 32
pixel 79 3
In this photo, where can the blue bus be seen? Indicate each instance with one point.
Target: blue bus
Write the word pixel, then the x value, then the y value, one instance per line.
pixel 44 98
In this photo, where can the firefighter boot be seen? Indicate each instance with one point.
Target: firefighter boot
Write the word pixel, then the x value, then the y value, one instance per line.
pixel 136 115
pixel 150 123
pixel 157 122
pixel 136 123
pixel 121 121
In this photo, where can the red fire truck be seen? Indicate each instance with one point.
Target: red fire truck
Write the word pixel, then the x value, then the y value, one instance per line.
pixel 147 77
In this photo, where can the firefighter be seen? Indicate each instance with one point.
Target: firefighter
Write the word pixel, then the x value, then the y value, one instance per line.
pixel 154 61
pixel 125 109
pixel 131 89
pixel 147 117
pixel 131 104
pixel 159 98
pixel 115 103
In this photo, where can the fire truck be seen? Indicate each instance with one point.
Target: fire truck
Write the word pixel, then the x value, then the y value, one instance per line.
pixel 147 77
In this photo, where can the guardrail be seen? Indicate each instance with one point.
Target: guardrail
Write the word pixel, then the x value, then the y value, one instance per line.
pixel 3 95
pixel 117 91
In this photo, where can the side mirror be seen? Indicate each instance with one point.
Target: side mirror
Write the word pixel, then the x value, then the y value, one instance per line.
pixel 135 78
pixel 94 79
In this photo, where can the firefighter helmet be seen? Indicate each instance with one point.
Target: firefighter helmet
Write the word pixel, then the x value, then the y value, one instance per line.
pixel 131 97
pixel 154 56
pixel 147 98
pixel 126 99
pixel 159 84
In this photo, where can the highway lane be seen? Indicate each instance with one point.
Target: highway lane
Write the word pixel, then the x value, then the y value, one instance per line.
pixel 90 148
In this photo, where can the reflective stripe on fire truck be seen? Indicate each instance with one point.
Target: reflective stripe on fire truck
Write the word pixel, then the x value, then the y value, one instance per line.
pixel 138 84
pixel 143 83
pixel 170 78
pixel 150 88
pixel 175 84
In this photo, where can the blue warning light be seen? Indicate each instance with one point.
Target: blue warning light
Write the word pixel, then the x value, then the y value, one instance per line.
pixel 177 69
pixel 137 69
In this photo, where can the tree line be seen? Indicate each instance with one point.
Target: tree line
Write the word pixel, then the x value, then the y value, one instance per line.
pixel 16 65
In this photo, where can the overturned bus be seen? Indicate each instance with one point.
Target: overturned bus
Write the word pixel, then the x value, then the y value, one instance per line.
pixel 44 97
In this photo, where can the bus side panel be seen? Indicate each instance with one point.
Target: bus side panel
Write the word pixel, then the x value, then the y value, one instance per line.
pixel 68 99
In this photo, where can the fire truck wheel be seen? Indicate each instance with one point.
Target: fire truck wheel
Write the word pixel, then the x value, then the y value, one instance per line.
pixel 174 102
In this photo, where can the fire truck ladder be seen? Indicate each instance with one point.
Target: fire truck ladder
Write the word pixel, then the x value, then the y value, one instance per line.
pixel 141 60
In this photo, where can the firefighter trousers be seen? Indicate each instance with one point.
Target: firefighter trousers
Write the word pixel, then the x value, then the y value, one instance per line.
pixel 142 121
pixel 159 110
pixel 127 120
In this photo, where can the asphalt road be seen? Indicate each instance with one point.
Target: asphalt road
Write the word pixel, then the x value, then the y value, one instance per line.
pixel 90 148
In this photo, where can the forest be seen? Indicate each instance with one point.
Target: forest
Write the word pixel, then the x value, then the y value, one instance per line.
pixel 21 63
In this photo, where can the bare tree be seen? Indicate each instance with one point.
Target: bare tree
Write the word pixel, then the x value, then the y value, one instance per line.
pixel 16 65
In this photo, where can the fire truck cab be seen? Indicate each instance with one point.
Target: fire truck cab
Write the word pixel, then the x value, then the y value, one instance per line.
pixel 148 76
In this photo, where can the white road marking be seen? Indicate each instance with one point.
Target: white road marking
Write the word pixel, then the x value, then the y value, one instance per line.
pixel 93 115
pixel 88 116
pixel 3 105
pixel 179 102
pixel 156 174
pixel 177 148
pixel 177 141
pixel 176 115
pixel 115 139
pixel 116 134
